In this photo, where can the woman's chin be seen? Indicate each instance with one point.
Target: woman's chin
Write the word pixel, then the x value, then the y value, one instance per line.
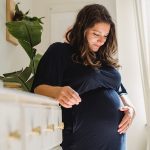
pixel 94 49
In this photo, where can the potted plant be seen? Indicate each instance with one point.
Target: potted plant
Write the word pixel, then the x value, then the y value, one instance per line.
pixel 27 30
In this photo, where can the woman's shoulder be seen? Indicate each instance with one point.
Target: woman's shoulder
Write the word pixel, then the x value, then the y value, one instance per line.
pixel 59 48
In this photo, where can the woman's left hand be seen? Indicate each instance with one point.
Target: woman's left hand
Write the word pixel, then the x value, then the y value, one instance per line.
pixel 129 113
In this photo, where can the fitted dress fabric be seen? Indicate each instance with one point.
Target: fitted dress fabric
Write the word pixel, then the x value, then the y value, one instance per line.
pixel 93 124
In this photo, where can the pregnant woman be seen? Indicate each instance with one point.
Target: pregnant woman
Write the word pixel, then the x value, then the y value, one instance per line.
pixel 81 74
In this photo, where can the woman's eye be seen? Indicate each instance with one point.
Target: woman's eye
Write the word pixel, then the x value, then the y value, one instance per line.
pixel 96 34
pixel 105 37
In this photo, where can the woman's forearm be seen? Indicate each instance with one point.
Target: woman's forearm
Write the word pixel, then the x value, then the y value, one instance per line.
pixel 47 90
pixel 66 96
pixel 126 101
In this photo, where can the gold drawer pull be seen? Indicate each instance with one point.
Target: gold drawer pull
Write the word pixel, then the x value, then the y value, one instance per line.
pixel 50 128
pixel 60 126
pixel 15 135
pixel 37 130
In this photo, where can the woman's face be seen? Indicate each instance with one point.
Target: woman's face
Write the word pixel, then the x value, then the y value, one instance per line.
pixel 97 35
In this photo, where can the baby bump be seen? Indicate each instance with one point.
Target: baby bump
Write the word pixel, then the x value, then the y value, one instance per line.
pixel 98 108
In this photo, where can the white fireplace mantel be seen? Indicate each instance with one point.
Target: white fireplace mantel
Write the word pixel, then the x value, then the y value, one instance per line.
pixel 29 121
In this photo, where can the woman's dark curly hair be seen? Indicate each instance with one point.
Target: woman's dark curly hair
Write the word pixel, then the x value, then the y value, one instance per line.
pixel 86 18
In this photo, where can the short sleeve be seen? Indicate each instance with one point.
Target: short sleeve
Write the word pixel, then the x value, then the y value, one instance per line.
pixel 51 67
pixel 121 90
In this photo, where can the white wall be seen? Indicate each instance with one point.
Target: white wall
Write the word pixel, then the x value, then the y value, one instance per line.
pixel 128 55
pixel 11 57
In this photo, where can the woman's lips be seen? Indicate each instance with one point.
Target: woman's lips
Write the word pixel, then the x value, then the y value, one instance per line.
pixel 97 46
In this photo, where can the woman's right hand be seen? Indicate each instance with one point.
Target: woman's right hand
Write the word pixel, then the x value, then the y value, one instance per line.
pixel 67 97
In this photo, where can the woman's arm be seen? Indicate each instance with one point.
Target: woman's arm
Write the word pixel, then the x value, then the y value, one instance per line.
pixel 126 101
pixel 65 95
pixel 47 90
pixel 129 111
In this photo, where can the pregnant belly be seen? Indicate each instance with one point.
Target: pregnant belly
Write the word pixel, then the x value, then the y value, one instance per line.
pixel 98 108
pixel 93 124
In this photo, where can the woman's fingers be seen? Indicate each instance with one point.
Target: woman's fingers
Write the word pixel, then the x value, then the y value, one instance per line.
pixel 123 127
pixel 74 94
pixel 64 104
pixel 68 97
pixel 124 123
pixel 127 119
pixel 125 108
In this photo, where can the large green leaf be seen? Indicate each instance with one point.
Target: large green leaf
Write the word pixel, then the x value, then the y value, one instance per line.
pixel 25 74
pixel 34 62
pixel 30 52
pixel 23 84
pixel 6 79
pixel 11 77
pixel 27 32
pixel 19 77
pixel 11 74
pixel 29 82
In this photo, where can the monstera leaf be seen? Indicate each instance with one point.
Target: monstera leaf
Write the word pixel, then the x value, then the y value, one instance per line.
pixel 34 62
pixel 20 77
pixel 27 32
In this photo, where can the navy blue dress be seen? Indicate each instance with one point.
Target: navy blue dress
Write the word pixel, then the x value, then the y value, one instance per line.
pixel 93 124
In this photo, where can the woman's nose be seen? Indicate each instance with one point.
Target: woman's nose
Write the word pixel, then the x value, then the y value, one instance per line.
pixel 101 39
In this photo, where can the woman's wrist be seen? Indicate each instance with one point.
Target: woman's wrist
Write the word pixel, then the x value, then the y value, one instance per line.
pixel 56 91
pixel 134 111
pixel 127 102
